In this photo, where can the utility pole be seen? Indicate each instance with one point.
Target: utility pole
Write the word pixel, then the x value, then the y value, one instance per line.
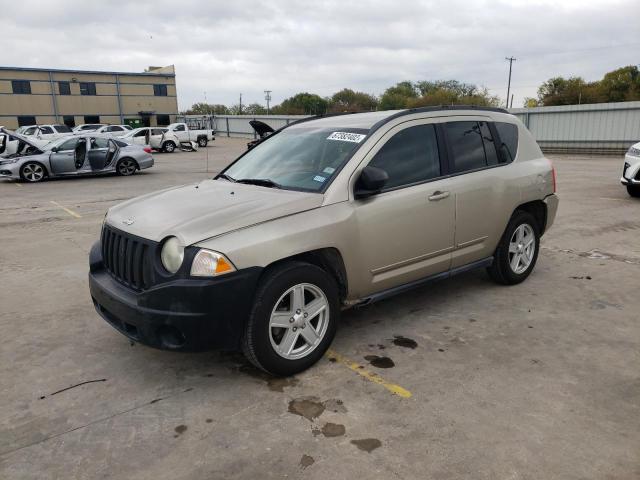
pixel 240 108
pixel 511 60
pixel 267 97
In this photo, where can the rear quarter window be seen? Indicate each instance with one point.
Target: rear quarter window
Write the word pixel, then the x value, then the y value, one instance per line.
pixel 508 133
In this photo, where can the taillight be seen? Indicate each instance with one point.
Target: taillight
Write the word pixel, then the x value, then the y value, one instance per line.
pixel 148 150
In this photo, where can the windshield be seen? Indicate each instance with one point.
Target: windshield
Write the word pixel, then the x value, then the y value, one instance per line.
pixel 301 158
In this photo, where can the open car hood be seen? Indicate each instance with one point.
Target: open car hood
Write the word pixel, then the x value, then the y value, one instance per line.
pixel 261 128
pixel 11 135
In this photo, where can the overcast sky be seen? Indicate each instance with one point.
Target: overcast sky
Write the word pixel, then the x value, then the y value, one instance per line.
pixel 231 47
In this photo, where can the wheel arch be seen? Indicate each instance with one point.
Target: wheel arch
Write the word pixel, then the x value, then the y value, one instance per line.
pixel 538 209
pixel 328 259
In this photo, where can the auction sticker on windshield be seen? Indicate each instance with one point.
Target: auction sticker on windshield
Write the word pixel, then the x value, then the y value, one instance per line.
pixel 346 137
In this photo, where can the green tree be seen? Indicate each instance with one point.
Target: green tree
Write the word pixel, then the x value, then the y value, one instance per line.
pixel 346 100
pixel 530 102
pixel 398 96
pixel 621 85
pixel 254 109
pixel 302 104
pixel 202 108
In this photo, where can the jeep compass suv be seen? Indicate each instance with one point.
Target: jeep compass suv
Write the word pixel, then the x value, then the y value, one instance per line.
pixel 326 213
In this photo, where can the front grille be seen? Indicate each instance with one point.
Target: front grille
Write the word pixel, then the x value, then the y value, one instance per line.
pixel 126 258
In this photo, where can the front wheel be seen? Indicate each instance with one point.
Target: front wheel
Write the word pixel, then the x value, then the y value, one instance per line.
pixel 32 172
pixel 202 142
pixel 517 251
pixel 293 320
pixel 633 190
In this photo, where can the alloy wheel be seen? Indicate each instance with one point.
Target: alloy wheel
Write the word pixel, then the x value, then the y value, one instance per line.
pixel 126 167
pixel 522 247
pixel 299 321
pixel 33 172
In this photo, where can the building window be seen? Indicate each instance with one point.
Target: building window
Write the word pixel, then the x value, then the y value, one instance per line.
pixel 26 120
pixel 163 120
pixel 21 87
pixel 91 119
pixel 64 88
pixel 69 121
pixel 160 90
pixel 87 88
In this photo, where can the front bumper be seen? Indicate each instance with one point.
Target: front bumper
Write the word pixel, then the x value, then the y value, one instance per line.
pixel 11 170
pixel 631 170
pixel 184 314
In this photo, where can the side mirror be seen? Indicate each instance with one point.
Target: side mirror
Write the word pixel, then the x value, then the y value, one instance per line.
pixel 55 149
pixel 370 182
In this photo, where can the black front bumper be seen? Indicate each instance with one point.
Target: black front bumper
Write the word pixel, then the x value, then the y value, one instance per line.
pixel 185 314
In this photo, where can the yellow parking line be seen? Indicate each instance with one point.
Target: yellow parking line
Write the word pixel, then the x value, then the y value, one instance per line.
pixel 372 377
pixel 69 211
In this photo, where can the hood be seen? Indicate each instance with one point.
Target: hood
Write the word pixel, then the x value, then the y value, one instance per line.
pixel 17 136
pixel 261 128
pixel 210 208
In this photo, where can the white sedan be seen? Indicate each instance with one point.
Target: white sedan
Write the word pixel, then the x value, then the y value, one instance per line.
pixel 631 170
pixel 114 130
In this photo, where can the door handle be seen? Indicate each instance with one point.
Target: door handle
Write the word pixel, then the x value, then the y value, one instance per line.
pixel 438 195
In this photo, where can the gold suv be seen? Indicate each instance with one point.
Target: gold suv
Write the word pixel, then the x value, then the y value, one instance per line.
pixel 327 213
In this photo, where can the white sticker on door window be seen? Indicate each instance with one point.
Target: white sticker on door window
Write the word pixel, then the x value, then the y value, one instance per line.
pixel 346 137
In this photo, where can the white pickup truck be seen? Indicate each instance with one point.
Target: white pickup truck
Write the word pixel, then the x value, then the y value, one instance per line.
pixel 185 134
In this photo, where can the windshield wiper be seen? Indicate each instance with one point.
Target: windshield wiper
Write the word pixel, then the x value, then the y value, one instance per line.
pixel 226 177
pixel 263 182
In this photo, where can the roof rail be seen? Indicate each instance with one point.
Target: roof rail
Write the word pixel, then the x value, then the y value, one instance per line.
pixel 437 108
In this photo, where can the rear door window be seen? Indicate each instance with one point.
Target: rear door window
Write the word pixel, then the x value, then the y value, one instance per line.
pixel 467 148
pixel 508 133
pixel 489 144
pixel 409 157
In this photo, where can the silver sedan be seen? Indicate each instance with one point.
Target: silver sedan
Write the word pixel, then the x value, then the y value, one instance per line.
pixel 83 154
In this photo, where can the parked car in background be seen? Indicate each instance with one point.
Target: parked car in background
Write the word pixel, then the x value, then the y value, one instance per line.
pixel 184 134
pixel 114 130
pixel 87 127
pixel 324 214
pixel 46 132
pixel 82 154
pixel 262 130
pixel 151 136
pixel 631 170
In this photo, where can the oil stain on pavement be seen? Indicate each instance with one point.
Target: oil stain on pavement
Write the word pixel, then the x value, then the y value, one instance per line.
pixel 307 407
pixel 405 342
pixel 380 362
pixel 333 430
pixel 367 444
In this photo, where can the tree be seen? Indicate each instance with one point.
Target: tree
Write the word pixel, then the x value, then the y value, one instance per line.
pixel 530 102
pixel 302 104
pixel 202 108
pixel 398 96
pixel 621 85
pixel 346 100
pixel 254 109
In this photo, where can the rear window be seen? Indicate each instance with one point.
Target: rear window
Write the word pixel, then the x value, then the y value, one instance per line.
pixel 508 133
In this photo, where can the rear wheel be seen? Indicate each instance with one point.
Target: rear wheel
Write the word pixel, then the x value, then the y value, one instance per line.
pixel 168 146
pixel 126 167
pixel 202 142
pixel 517 251
pixel 633 190
pixel 293 320
pixel 32 172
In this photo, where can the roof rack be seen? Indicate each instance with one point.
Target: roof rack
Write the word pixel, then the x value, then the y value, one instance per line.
pixel 437 108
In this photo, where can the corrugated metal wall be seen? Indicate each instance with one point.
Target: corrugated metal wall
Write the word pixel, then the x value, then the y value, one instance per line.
pixel 596 128
pixel 593 128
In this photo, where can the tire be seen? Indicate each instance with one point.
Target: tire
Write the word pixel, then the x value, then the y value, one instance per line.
pixel 168 147
pixel 202 142
pixel 126 167
pixel 633 191
pixel 502 270
pixel 265 345
pixel 32 172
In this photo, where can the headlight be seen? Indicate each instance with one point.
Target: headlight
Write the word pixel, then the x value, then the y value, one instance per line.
pixel 9 162
pixel 209 264
pixel 172 254
pixel 634 152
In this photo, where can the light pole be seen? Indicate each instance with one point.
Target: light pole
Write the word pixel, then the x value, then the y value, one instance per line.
pixel 511 60
pixel 267 97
